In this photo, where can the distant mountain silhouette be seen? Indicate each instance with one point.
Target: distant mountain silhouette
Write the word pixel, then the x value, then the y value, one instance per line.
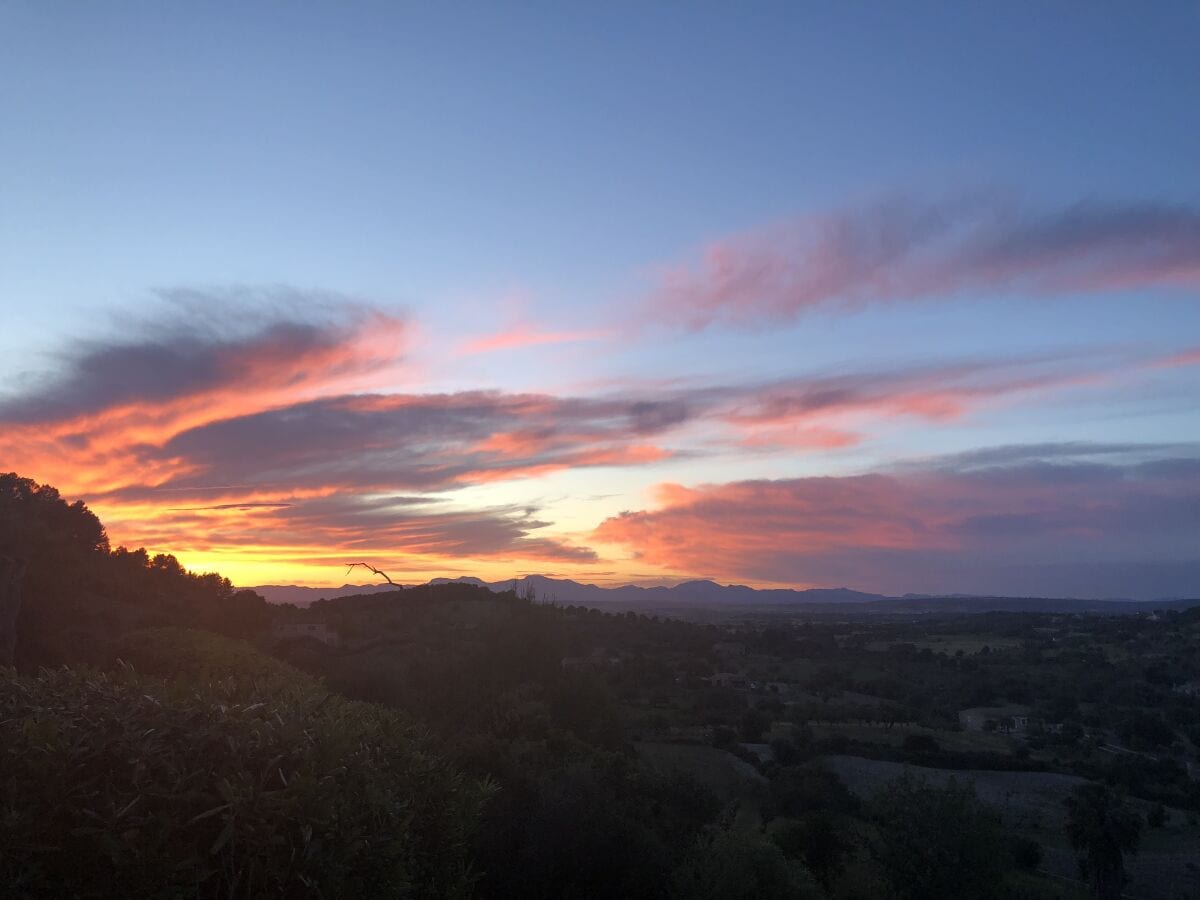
pixel 567 592
pixel 710 595
pixel 685 594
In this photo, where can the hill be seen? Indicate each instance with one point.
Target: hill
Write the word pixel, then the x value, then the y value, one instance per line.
pixel 302 595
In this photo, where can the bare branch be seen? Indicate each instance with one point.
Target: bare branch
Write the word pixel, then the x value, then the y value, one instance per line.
pixel 371 568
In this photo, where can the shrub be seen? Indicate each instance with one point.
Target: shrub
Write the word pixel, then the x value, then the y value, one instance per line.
pixel 936 841
pixel 835 744
pixel 730 864
pixel 821 842
pixel 723 736
pixel 1157 816
pixel 753 723
pixel 1102 829
pixel 784 752
pixel 1026 853
pixel 921 743
pixel 181 653
pixel 799 790
pixel 254 782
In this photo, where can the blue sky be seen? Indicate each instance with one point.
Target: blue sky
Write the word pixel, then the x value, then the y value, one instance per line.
pixel 475 169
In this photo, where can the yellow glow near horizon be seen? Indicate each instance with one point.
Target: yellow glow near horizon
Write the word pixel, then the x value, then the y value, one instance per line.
pixel 247 567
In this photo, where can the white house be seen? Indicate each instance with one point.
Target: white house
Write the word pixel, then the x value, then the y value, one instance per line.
pixel 1003 718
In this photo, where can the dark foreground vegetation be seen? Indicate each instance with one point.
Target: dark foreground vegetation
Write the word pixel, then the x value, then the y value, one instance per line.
pixel 164 735
pixel 201 768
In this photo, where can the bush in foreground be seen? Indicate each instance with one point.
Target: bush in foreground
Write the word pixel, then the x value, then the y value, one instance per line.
pixel 734 864
pixel 937 841
pixel 255 783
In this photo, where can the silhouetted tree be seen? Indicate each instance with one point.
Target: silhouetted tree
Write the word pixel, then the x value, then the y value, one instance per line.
pixel 77 596
pixel 817 839
pixel 936 841
pixel 55 546
pixel 733 864
pixel 12 574
pixel 1157 817
pixel 754 723
pixel 784 751
pixel 1102 830
pixel 921 743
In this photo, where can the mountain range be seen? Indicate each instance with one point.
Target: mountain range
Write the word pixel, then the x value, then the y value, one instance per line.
pixel 710 595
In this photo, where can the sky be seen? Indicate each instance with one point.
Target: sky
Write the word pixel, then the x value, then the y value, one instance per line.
pixel 899 297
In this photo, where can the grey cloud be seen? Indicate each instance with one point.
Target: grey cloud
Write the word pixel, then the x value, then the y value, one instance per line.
pixel 177 356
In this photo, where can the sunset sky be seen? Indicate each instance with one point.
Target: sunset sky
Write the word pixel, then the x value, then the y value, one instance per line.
pixel 900 297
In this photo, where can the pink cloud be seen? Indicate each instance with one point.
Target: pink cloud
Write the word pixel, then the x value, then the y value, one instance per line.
pixel 966 524
pixel 799 438
pixel 827 412
pixel 520 336
pixel 907 250
pixel 1183 358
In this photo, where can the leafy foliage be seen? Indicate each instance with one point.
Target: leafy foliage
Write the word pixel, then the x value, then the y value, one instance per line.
pixel 936 841
pixel 732 864
pixel 249 783
pixel 819 840
pixel 187 655
pixel 1102 830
